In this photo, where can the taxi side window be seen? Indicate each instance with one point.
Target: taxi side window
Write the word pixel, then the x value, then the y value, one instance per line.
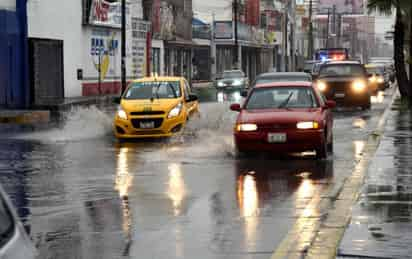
pixel 6 224
pixel 187 88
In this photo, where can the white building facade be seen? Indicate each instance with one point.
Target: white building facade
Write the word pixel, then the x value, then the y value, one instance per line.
pixel 84 42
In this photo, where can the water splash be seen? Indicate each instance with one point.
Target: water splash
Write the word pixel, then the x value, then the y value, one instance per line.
pixel 206 136
pixel 81 123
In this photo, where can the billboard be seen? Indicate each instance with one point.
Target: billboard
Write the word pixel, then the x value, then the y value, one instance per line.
pixel 253 12
pixel 342 6
pixel 104 13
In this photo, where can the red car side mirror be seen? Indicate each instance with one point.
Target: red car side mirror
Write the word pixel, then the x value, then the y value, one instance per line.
pixel 235 107
pixel 330 104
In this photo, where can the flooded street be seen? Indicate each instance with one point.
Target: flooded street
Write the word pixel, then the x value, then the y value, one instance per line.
pixel 381 221
pixel 83 194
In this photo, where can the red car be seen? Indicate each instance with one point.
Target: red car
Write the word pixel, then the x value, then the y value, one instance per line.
pixel 285 117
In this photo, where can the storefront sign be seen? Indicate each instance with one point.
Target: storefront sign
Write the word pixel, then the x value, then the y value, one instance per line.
pixel 223 30
pixel 103 13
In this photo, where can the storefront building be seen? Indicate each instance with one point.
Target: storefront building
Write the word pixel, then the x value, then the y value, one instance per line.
pixel 82 57
pixel 255 51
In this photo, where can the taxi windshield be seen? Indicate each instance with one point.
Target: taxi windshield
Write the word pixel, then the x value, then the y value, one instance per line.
pixel 154 89
pixel 281 98
pixel 375 70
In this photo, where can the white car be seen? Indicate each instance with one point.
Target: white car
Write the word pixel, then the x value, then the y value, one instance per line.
pixel 14 242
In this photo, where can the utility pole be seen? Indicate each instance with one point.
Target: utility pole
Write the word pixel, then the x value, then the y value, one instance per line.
pixel 236 54
pixel 310 36
pixel 285 39
pixel 327 29
pixel 123 48
pixel 213 47
pixel 334 25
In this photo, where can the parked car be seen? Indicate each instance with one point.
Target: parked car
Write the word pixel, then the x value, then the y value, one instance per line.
pixel 346 82
pixel 378 77
pixel 308 66
pixel 282 77
pixel 284 117
pixel 155 107
pixel 14 242
pixel 232 79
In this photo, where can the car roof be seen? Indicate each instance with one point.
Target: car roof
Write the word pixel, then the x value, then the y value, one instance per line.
pixel 373 65
pixel 159 78
pixel 236 70
pixel 283 74
pixel 284 84
pixel 345 62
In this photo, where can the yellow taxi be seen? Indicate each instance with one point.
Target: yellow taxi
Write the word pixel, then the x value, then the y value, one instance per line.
pixel 154 107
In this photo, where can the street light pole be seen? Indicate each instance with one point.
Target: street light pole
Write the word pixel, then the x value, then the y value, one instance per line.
pixel 235 10
pixel 123 48
pixel 310 42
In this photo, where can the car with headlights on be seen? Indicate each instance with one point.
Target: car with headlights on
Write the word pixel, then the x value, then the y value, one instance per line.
pixel 378 78
pixel 232 79
pixel 14 242
pixel 154 107
pixel 284 117
pixel 346 82
pixel 272 77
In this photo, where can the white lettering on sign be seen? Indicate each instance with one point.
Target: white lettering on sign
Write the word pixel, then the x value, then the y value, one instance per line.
pixel 8 5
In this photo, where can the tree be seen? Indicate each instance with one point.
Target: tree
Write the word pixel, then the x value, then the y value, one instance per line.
pixel 386 7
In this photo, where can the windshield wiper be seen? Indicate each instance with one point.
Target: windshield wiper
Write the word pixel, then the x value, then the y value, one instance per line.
pixel 156 93
pixel 286 102
pixel 173 89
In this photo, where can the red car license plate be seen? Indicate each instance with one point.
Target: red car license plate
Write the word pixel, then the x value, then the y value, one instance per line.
pixel 277 137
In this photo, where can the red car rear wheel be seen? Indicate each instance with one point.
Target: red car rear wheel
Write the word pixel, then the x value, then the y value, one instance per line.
pixel 322 150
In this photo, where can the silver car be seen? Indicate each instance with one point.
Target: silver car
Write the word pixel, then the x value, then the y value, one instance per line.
pixel 14 242
pixel 232 79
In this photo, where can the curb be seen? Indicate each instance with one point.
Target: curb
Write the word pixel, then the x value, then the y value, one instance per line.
pixel 319 233
pixel 25 117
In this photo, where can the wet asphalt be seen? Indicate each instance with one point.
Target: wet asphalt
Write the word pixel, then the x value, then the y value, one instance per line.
pixel 381 220
pixel 82 194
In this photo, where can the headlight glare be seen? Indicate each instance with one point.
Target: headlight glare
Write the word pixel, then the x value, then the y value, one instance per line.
pixel 321 86
pixel 359 86
pixel 175 111
pixel 307 125
pixel 380 80
pixel 237 82
pixel 246 127
pixel 122 114
pixel 220 84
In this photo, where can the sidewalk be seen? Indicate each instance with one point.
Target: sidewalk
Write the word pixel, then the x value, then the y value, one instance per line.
pixel 381 222
pixel 41 114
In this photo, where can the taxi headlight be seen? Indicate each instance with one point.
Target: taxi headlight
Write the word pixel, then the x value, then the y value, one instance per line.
pixel 380 80
pixel 322 86
pixel 246 127
pixel 359 86
pixel 372 79
pixel 175 111
pixel 122 114
pixel 307 125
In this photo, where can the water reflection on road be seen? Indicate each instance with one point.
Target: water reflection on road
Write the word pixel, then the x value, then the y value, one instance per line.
pixel 92 197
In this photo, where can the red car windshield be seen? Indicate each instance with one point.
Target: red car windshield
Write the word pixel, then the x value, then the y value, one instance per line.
pixel 282 98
